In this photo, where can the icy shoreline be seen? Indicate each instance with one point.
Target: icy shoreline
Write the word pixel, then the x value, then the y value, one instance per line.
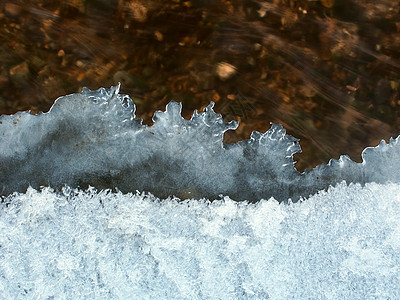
pixel 93 139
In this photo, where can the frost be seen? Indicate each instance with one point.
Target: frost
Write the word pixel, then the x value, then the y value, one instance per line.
pixel 93 138
pixel 338 244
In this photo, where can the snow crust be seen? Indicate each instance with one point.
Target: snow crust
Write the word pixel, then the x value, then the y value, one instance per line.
pixel 340 244
pixel 93 138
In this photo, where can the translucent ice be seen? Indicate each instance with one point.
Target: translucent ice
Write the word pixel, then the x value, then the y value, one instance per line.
pixel 93 138
pixel 65 243
pixel 339 244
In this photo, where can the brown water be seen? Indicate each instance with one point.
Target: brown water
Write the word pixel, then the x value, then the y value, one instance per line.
pixel 327 70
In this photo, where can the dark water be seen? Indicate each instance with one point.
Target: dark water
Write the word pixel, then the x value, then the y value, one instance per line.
pixel 327 70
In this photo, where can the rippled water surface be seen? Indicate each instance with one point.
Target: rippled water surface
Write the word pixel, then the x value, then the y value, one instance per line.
pixel 326 70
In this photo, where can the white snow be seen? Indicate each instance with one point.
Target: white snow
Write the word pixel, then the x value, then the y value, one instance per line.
pixel 339 244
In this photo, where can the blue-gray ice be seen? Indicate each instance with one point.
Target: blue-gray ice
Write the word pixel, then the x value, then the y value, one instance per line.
pixel 93 139
pixel 65 243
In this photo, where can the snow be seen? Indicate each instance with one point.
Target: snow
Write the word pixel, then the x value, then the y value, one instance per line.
pixel 246 224
pixel 339 244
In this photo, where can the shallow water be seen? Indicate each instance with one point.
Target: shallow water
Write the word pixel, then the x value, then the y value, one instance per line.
pixel 326 70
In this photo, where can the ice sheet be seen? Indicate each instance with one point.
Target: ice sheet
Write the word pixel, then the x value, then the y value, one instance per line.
pixel 339 244
pixel 93 138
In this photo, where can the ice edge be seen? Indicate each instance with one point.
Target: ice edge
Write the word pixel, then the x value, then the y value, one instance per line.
pixel 261 147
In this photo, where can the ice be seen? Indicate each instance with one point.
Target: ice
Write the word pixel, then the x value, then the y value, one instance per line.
pixel 342 243
pixel 236 236
pixel 93 138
